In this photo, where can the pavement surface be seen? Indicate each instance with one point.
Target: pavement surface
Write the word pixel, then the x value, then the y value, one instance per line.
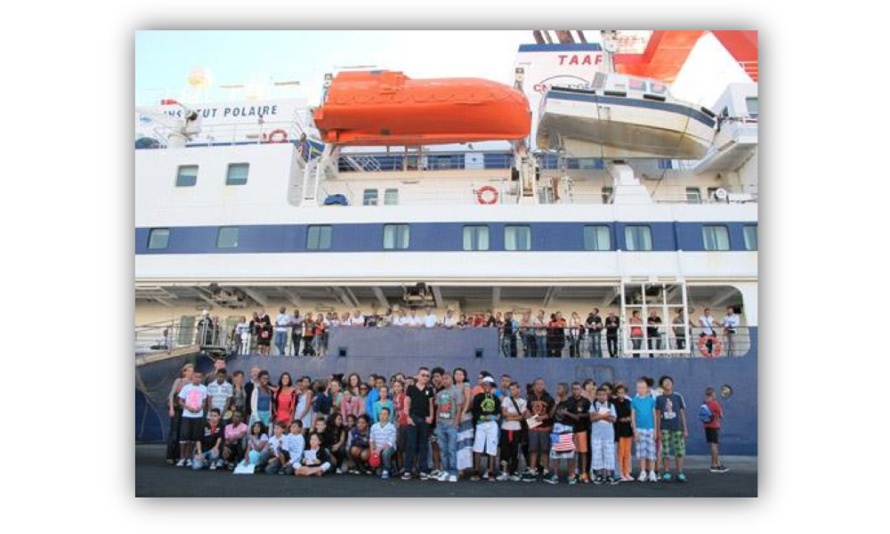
pixel 155 478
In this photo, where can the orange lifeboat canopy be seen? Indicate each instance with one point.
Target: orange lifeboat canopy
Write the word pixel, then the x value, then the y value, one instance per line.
pixel 380 108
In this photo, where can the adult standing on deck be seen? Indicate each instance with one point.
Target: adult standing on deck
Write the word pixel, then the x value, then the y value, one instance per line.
pixel 282 323
pixel 595 331
pixel 707 324
pixel 636 332
pixel 730 324
pixel 653 331
pixel 612 325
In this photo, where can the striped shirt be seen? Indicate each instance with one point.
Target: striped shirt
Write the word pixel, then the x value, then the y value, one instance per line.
pixel 383 435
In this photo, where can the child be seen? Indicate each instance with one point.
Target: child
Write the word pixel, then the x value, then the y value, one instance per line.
pixel 670 409
pixel 383 401
pixel 624 432
pixel 602 437
pixel 359 444
pixel 642 420
pixel 336 438
pixel 257 444
pixel 193 398
pixel 316 461
pixel 276 449
pixel 234 440
pixel 294 444
pixel 210 443
pixel 712 430
pixel 562 443
pixel 383 441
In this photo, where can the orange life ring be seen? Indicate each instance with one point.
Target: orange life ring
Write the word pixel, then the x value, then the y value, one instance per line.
pixel 277 136
pixel 715 345
pixel 481 197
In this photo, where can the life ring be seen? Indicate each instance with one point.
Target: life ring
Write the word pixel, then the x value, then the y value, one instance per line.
pixel 277 136
pixel 715 345
pixel 489 199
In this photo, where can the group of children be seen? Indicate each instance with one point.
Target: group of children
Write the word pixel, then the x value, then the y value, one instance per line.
pixel 431 419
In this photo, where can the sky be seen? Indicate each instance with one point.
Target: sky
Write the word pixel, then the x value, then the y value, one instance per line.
pixel 164 60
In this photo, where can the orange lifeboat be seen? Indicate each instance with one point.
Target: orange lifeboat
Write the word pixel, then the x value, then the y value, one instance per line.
pixel 378 108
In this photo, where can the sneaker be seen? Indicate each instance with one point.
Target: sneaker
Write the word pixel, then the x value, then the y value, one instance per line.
pixel 666 477
pixel 515 477
pixel 585 478
pixel 475 477
pixel 653 477
pixel 181 462
pixel 529 476
pixel 503 477
pixel 611 481
pixel 188 463
pixel 681 477
pixel 598 480
pixel 721 469
pixel 171 461
pixel 552 479
pixel 452 478
pixel 384 475
pixel 406 475
pixel 435 474
pixel 424 476
pixel 443 476
pixel 491 477
pixel 642 476
pixel 213 466
pixel 545 473
pixel 573 480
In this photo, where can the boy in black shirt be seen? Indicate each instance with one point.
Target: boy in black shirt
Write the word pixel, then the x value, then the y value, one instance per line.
pixel 210 443
pixel 486 408
pixel 420 410
pixel 578 408
pixel 563 445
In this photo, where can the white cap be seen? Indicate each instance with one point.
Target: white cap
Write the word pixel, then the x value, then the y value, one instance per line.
pixel 205 312
pixel 488 380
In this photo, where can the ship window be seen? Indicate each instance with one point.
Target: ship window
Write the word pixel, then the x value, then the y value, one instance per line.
pixel 237 174
pixel 391 197
pixel 517 238
pixel 693 195
pixel 637 85
pixel 597 238
pixel 158 238
pixel 318 238
pixel 753 106
pixel 715 237
pixel 657 88
pixel 475 238
pixel 750 238
pixel 227 237
pixel 370 197
pixel 186 176
pixel 638 237
pixel 396 236
pixel 607 195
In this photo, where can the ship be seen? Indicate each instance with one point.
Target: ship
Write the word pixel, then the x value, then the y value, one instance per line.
pixel 459 196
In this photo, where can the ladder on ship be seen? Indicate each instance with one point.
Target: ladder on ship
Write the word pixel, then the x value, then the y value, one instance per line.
pixel 662 297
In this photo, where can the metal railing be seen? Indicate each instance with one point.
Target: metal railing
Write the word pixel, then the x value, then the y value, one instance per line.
pixel 526 342
pixel 582 343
